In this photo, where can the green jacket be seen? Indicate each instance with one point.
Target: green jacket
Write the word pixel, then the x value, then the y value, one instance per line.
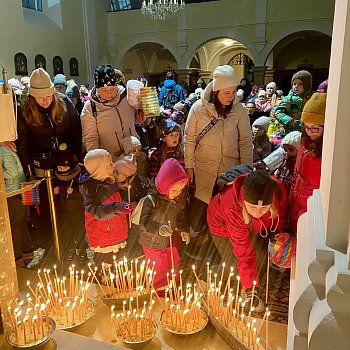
pixel 13 171
pixel 290 109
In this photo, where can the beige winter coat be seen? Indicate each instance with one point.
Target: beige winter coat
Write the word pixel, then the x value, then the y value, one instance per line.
pixel 112 124
pixel 227 144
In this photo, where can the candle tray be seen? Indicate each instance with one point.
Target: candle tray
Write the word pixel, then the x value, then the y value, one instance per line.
pixel 12 342
pixel 171 330
pixel 133 344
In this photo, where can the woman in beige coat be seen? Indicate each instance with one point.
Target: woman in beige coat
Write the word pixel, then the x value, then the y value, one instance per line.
pixel 226 143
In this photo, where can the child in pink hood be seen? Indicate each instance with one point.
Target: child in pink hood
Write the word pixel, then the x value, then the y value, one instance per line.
pixel 161 217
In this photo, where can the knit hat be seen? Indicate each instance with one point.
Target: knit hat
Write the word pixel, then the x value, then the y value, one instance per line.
pixel 105 76
pixel 73 91
pixel 323 87
pixel 192 97
pixel 272 85
pixel 240 93
pixel 60 79
pixel 180 106
pixel 305 77
pixel 127 165
pixel 198 91
pixel 293 139
pixel 40 84
pixel 224 77
pixel 25 80
pixel 262 93
pixel 15 83
pixel 170 173
pixel 98 162
pixel 258 188
pixel 64 157
pixel 178 117
pixel 315 109
pixel 131 144
pixel 167 126
pixel 263 122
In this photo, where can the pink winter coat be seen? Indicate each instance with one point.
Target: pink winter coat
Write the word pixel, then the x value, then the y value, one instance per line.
pixel 225 219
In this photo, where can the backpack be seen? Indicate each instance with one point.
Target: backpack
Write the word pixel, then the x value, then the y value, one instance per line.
pixel 170 98
pixel 136 213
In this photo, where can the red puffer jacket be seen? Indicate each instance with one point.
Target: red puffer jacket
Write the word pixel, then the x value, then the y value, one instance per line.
pixel 225 219
pixel 105 222
pixel 307 175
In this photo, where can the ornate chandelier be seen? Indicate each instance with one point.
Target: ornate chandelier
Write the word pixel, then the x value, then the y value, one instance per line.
pixel 162 9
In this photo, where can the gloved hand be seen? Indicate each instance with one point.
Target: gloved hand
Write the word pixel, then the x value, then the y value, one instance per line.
pixel 128 208
pixel 186 237
pixel 165 231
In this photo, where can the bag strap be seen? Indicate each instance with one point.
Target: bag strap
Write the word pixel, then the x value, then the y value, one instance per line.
pixel 206 130
pixel 93 109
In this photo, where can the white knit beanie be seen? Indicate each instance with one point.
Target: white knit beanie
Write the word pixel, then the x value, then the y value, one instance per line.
pixel 40 84
pixel 98 162
pixel 272 85
pixel 131 144
pixel 263 122
pixel 224 77
pixel 293 139
pixel 262 93
pixel 127 165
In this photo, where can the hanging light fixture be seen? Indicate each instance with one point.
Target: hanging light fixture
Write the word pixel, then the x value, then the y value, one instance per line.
pixel 162 9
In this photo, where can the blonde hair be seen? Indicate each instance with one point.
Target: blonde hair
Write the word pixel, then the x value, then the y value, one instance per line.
pixel 33 115
pixel 247 218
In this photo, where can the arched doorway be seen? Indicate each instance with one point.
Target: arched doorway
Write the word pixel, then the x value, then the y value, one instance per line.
pixel 309 50
pixel 149 60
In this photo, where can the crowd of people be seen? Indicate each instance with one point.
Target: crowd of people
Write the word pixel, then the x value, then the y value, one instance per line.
pixel 238 159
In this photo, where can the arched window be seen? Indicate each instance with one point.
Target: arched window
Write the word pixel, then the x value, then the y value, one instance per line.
pixel 57 65
pixel 40 62
pixel 21 64
pixel 74 67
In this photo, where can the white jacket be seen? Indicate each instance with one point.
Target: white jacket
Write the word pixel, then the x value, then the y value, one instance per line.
pixel 227 144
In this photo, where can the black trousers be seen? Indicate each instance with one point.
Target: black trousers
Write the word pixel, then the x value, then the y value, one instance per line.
pixel 22 242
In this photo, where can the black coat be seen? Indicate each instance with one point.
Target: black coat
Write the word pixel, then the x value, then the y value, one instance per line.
pixel 36 140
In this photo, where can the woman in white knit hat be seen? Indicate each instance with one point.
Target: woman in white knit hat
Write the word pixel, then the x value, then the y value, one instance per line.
pixel 48 120
pixel 217 137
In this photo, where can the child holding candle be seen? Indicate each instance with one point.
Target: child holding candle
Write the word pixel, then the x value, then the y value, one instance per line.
pixel 161 218
pixel 105 213
pixel 69 202
pixel 255 203
pixel 170 146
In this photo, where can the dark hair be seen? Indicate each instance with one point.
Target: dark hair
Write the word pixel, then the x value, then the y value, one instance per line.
pixel 170 75
pixel 222 110
pixel 315 147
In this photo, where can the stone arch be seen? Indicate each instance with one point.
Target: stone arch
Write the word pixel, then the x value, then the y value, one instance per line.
pixel 147 39
pixel 195 46
pixel 261 59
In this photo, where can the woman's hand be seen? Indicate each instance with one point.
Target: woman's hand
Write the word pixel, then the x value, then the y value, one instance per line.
pixel 10 145
pixel 190 174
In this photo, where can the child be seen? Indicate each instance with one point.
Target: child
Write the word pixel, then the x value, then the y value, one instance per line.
pixel 271 94
pixel 126 176
pixel 285 171
pixel 170 146
pixel 261 144
pixel 307 171
pixel 161 218
pixel 105 213
pixel 69 202
pixel 132 145
pixel 288 112
pixel 262 104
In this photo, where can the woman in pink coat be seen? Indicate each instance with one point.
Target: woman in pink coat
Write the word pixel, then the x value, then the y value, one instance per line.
pixel 255 203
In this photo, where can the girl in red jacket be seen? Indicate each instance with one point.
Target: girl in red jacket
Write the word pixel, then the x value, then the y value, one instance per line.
pixel 105 214
pixel 254 203
pixel 307 171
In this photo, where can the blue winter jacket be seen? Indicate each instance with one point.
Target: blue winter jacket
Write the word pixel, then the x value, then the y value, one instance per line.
pixel 168 84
